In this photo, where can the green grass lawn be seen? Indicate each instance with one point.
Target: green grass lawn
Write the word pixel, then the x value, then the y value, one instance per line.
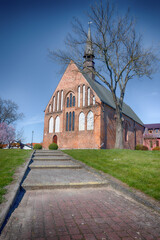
pixel 10 159
pixel 139 169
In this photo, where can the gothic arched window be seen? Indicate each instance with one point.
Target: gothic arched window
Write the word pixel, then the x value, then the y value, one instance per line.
pixel 79 95
pixel 71 101
pixel 51 125
pixel 61 99
pixel 73 120
pixel 126 133
pixel 90 121
pixel 81 121
pixel 57 124
pixel 89 96
pixel 53 104
pixel 83 95
pixel 67 121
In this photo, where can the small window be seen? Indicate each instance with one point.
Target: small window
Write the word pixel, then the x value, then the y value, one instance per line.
pixel 150 130
pixel 67 121
pixel 151 144
pixel 61 99
pixel 79 95
pixel 53 104
pixel 67 101
pixel 70 121
pixel 73 101
pixel 88 96
pixel 83 95
pixel 94 100
pixel 73 119
pixel 156 130
pixel 70 99
pixel 157 143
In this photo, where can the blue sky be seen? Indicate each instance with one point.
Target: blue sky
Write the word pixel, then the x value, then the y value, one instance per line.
pixel 28 77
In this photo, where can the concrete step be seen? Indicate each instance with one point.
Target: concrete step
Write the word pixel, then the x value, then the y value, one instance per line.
pixel 49 154
pixel 54 164
pixel 51 158
pixel 62 178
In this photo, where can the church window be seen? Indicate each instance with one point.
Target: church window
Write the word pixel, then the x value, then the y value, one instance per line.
pixel 67 101
pixel 49 107
pixel 90 121
pixel 57 100
pixel 70 121
pixel 79 95
pixel 67 121
pixel 83 95
pixel 53 104
pixel 57 124
pixel 70 99
pixel 81 121
pixel 73 120
pixel 94 100
pixel 88 96
pixel 73 101
pixel 61 99
pixel 51 125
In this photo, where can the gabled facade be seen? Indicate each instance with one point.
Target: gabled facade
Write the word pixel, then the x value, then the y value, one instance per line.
pixel 81 112
pixel 152 135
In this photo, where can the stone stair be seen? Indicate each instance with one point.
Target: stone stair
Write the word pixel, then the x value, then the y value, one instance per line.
pixel 55 169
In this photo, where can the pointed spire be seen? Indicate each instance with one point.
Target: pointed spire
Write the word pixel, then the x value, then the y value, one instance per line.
pixel 89 49
pixel 88 65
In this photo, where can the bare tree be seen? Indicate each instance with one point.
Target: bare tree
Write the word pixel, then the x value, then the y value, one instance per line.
pixel 9 111
pixel 119 53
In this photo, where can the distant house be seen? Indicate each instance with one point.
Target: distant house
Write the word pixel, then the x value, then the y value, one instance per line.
pixel 152 135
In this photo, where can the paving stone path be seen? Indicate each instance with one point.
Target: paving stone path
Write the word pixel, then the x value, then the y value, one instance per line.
pixel 65 202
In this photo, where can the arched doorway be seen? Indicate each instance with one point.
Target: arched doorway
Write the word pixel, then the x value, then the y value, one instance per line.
pixel 55 139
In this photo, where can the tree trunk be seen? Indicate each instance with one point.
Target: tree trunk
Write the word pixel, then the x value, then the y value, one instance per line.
pixel 119 133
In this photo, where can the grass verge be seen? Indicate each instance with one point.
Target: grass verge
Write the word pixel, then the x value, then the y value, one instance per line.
pixel 10 159
pixel 139 169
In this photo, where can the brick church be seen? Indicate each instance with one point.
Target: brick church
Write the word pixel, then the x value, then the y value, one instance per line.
pixel 81 112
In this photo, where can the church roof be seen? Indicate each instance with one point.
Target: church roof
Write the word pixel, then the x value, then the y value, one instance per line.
pixel 106 96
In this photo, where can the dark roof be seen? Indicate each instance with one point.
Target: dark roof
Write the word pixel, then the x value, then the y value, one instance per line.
pixel 106 96
pixel 152 125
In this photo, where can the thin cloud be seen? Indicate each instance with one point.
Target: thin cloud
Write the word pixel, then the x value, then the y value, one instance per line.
pixel 33 120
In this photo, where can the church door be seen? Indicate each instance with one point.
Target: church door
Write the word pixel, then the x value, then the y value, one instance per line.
pixel 55 139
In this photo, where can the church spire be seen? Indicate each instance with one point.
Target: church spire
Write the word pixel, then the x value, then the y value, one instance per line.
pixel 88 65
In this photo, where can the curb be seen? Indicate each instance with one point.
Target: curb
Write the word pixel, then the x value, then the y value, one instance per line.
pixel 13 193
pixel 136 195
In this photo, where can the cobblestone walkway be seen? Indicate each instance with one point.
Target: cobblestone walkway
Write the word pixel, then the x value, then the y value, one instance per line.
pixel 100 213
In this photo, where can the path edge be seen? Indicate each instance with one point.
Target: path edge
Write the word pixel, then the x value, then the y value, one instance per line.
pixel 14 191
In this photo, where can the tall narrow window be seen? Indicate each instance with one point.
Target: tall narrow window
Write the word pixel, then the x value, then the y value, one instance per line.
pixel 53 104
pixel 67 101
pixel 88 96
pixel 94 100
pixel 67 121
pixel 70 99
pixel 73 101
pixel 57 100
pixel 81 121
pixel 49 107
pixel 70 121
pixel 83 95
pixel 51 125
pixel 79 95
pixel 57 124
pixel 157 143
pixel 73 119
pixel 61 99
pixel 90 121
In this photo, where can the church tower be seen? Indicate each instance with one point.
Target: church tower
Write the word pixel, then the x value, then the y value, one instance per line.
pixel 88 65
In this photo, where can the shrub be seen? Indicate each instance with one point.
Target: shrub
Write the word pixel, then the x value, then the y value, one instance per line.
pixel 53 146
pixel 156 149
pixel 37 146
pixel 141 147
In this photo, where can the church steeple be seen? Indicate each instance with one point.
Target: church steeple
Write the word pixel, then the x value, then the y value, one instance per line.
pixel 88 65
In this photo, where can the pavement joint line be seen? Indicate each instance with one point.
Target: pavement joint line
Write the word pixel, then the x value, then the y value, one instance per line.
pixel 14 193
